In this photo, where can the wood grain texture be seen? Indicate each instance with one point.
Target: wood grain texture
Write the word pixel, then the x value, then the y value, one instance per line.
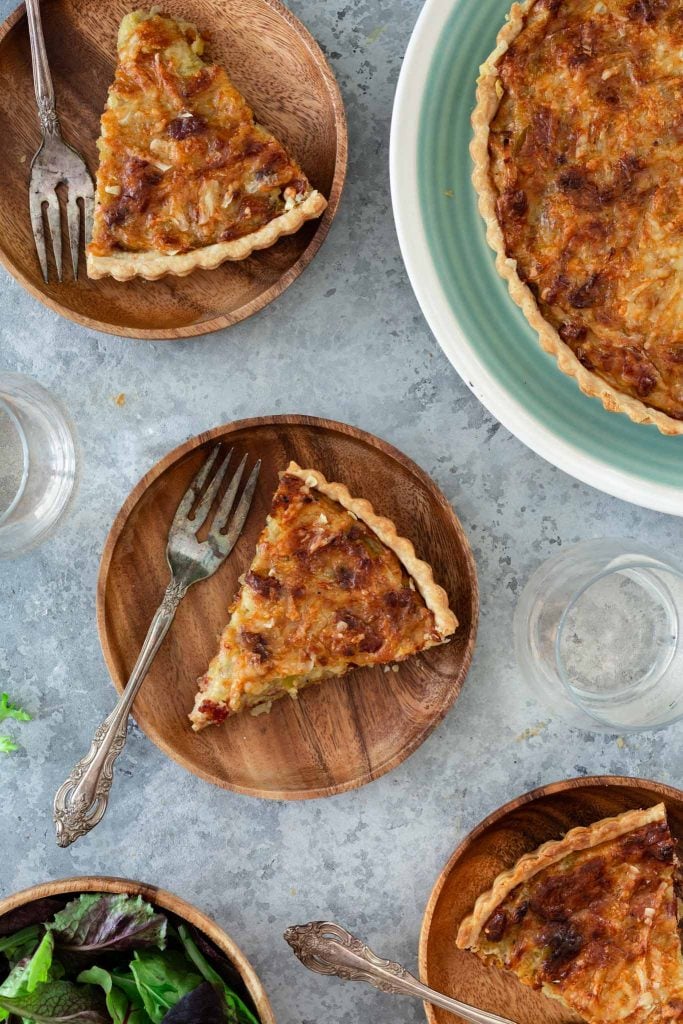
pixel 496 845
pixel 341 734
pixel 282 72
pixel 165 901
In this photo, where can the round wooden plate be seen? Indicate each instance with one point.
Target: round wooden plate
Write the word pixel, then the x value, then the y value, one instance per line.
pixel 338 735
pixel 282 72
pixel 495 845
pixel 165 901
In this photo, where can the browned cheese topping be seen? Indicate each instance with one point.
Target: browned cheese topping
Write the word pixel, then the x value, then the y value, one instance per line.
pixel 182 163
pixel 587 160
pixel 590 924
pixel 323 594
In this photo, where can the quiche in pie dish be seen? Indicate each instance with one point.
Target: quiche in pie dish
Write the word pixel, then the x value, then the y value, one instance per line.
pixel 332 586
pixel 591 920
pixel 186 177
pixel 578 152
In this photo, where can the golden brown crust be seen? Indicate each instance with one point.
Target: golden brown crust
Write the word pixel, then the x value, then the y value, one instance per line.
pixel 582 838
pixel 434 596
pixel 489 94
pixel 152 265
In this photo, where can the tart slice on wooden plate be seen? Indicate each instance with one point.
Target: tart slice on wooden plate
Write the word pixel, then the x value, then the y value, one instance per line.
pixel 332 587
pixel 187 178
pixel 591 920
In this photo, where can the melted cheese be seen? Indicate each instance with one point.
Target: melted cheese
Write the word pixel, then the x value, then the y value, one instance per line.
pixel 183 165
pixel 598 930
pixel 323 595
pixel 587 159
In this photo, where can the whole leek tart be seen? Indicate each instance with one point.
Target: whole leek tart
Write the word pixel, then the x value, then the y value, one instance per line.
pixel 578 152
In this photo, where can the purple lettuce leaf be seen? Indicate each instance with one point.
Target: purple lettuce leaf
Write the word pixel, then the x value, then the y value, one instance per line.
pixel 37 912
pixel 97 923
pixel 204 1005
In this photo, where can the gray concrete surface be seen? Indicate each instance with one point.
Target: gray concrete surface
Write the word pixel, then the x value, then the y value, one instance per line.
pixel 347 341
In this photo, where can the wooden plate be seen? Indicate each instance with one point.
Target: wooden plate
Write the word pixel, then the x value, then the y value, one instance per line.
pixel 496 845
pixel 165 901
pixel 282 72
pixel 341 734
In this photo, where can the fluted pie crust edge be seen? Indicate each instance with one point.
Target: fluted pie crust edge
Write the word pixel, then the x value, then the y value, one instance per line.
pixel 530 864
pixel 123 266
pixel 433 595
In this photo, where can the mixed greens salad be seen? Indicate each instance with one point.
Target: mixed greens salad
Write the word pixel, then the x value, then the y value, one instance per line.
pixel 105 958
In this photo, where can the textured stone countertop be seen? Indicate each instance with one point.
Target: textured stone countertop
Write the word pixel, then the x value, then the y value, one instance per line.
pixel 346 341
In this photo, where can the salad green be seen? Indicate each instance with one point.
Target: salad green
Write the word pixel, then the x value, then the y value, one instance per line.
pixel 104 958
pixel 9 710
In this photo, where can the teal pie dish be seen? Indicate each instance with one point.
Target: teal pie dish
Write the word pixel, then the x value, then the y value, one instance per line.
pixel 451 268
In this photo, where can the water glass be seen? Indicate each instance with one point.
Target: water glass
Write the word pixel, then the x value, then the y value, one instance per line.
pixel 38 463
pixel 597 635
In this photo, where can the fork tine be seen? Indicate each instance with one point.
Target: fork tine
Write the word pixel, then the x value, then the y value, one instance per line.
pixel 228 499
pixel 207 501
pixel 54 222
pixel 226 542
pixel 38 228
pixel 190 496
pixel 73 218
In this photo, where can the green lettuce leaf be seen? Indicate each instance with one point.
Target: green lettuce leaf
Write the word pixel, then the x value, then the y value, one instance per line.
pixel 57 1001
pixel 238 1011
pixel 8 710
pixel 162 980
pixel 29 973
pixel 39 967
pixel 21 944
pixel 96 923
pixel 126 982
pixel 7 746
pixel 124 1007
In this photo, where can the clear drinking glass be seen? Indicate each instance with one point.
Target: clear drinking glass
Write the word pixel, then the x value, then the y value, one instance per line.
pixel 38 463
pixel 597 635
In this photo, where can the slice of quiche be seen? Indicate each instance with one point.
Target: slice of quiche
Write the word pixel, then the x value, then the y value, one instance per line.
pixel 332 587
pixel 591 920
pixel 186 178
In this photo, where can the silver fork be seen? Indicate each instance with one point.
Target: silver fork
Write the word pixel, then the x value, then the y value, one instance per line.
pixel 80 803
pixel 327 948
pixel 55 163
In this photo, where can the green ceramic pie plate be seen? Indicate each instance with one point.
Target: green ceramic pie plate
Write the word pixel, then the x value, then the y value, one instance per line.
pixel 466 304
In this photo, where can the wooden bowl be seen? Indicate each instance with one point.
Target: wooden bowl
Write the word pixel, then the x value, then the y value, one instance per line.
pixel 338 735
pixel 165 901
pixel 495 845
pixel 282 72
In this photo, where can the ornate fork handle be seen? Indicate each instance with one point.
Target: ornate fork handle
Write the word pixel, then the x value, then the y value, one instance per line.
pixel 42 79
pixel 328 948
pixel 81 801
